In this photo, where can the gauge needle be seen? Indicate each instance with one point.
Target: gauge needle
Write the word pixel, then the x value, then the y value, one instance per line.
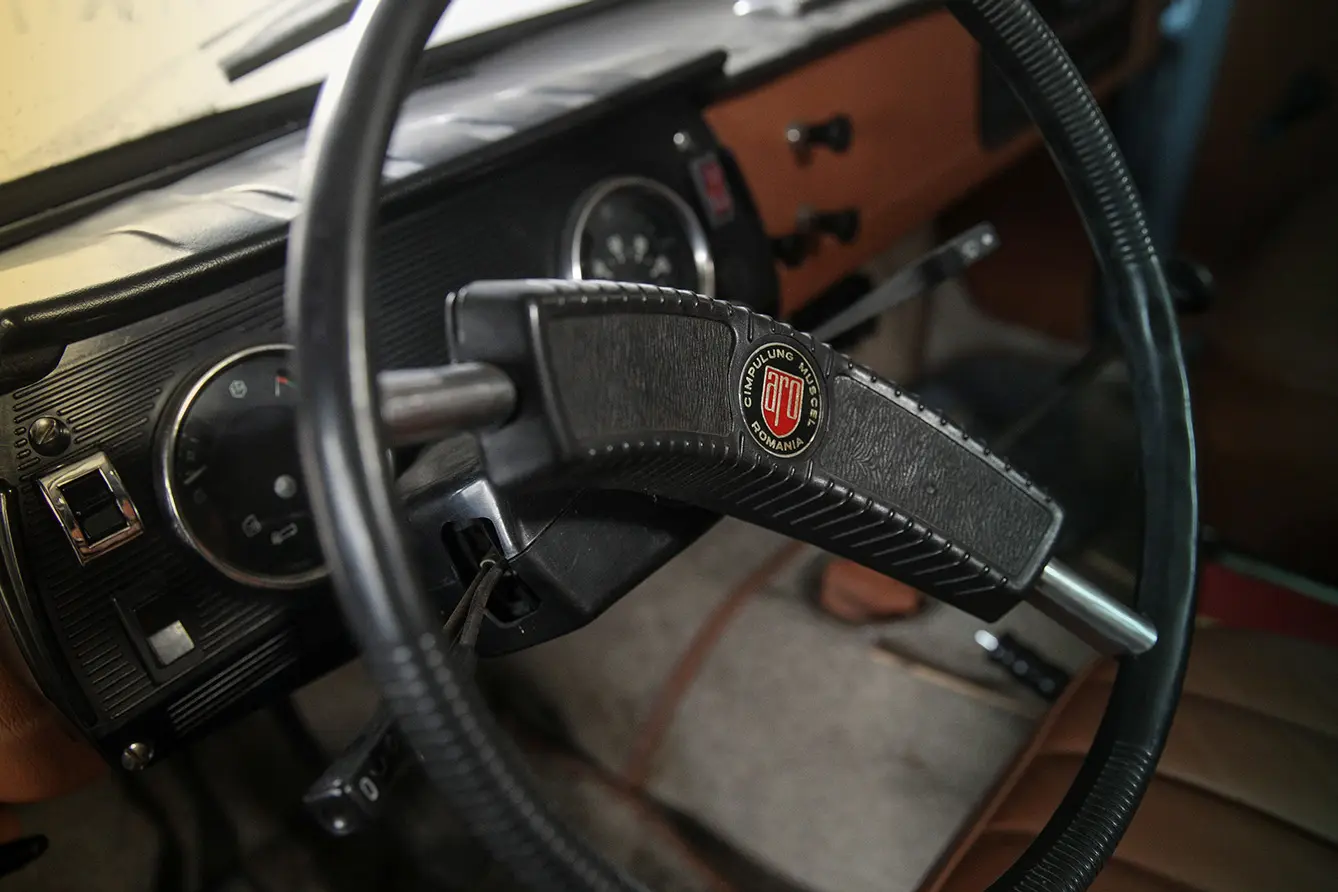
pixel 195 475
pixel 279 382
pixel 661 267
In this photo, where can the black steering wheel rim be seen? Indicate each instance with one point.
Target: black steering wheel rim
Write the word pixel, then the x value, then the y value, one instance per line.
pixel 363 530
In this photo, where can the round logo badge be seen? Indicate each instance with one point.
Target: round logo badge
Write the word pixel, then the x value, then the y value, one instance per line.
pixel 781 397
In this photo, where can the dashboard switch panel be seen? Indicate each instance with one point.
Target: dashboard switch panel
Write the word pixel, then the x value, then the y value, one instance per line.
pixel 92 505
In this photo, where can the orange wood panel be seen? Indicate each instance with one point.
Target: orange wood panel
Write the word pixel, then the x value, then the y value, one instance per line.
pixel 912 95
pixel 1042 278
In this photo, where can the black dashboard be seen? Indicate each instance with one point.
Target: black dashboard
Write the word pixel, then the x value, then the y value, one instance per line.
pixel 158 565
pixel 158 561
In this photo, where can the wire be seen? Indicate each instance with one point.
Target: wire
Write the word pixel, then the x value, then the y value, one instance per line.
pixel 459 613
pixel 490 573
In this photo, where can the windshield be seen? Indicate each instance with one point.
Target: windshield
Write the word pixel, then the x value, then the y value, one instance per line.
pixel 77 76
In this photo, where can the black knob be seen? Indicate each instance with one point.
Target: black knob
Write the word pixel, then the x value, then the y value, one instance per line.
pixel 810 225
pixel 791 249
pixel 842 225
pixel 836 134
pixel 1193 287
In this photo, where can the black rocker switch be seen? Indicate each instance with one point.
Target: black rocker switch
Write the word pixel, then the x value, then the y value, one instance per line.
pixel 94 506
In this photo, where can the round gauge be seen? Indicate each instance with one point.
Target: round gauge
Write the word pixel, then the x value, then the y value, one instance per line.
pixel 231 475
pixel 633 229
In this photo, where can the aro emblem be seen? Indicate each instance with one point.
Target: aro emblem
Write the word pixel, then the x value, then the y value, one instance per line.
pixel 781 397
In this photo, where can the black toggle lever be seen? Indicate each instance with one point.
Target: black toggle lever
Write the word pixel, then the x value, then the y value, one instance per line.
pixel 1024 663
pixel 351 793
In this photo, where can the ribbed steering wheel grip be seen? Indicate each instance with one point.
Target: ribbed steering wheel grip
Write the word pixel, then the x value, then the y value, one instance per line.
pixel 669 393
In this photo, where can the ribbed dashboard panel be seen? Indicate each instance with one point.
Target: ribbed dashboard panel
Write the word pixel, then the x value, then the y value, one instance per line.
pixel 113 390
pixel 111 397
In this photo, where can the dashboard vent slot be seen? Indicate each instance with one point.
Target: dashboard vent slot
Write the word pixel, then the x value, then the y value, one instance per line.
pixel 231 685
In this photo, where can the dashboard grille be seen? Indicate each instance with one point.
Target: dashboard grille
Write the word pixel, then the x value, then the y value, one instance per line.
pixel 507 222
pixel 111 391
pixel 110 395
pixel 271 657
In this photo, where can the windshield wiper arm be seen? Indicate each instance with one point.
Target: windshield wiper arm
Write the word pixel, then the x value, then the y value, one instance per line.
pixel 295 28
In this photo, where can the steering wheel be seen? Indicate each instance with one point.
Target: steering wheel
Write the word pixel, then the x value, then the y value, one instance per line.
pixel 690 399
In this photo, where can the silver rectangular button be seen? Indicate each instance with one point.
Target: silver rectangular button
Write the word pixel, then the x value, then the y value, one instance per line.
pixel 171 643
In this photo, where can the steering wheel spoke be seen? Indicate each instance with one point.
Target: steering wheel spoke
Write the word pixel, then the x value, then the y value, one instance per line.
pixel 667 393
pixel 696 400
pixel 567 427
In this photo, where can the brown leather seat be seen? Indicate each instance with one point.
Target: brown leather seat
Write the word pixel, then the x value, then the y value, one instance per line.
pixel 40 756
pixel 1245 798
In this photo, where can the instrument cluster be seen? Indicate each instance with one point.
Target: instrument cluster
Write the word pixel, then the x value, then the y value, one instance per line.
pixel 164 573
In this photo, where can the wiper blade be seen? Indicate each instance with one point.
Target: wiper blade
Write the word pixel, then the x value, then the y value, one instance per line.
pixel 303 22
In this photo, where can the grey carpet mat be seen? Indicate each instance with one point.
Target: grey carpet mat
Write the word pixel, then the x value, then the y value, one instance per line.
pixel 797 742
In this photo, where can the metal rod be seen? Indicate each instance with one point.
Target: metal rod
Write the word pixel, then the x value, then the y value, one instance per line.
pixel 1090 613
pixel 924 274
pixel 1075 379
pixel 421 405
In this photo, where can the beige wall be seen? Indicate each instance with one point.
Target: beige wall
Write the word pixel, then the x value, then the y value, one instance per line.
pixel 77 75
pixel 81 75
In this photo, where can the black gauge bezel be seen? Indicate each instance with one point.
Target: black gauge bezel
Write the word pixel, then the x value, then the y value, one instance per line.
pixel 703 259
pixel 167 474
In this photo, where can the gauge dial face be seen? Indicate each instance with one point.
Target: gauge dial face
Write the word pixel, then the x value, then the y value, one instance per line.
pixel 233 480
pixel 637 230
